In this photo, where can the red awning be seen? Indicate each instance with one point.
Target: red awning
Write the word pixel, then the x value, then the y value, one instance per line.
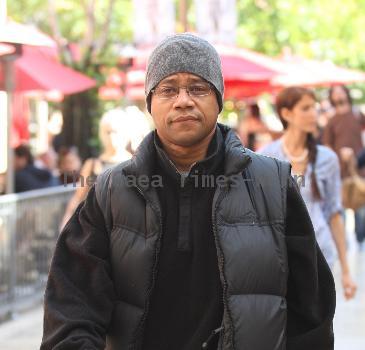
pixel 240 64
pixel 36 70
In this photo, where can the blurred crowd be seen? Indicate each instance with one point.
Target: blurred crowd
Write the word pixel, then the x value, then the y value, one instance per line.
pixel 120 132
pixel 338 125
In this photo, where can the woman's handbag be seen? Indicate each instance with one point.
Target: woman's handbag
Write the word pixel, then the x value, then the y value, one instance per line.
pixel 353 192
pixel 353 188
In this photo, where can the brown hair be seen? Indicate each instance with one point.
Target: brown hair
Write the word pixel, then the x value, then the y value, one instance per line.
pixel 288 98
pixel 345 90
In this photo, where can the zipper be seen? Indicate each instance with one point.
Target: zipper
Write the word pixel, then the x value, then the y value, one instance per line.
pixel 177 171
pixel 221 262
pixel 140 329
pixel 212 335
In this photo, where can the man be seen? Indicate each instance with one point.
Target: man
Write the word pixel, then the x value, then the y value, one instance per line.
pixel 343 135
pixel 344 128
pixel 196 243
pixel 27 176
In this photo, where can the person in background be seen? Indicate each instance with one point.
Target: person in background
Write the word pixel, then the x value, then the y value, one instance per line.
pixel 318 170
pixel 343 132
pixel 325 113
pixel 47 160
pixel 27 175
pixel 358 165
pixel 251 126
pixel 344 128
pixel 69 165
pixel 114 137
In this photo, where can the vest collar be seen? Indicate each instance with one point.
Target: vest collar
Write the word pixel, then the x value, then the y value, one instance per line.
pixel 214 158
pixel 235 156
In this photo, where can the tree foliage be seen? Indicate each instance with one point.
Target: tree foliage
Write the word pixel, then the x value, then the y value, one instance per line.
pixel 322 29
pixel 314 28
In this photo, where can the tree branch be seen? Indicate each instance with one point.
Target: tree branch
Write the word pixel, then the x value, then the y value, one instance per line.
pixel 89 8
pixel 105 27
pixel 55 28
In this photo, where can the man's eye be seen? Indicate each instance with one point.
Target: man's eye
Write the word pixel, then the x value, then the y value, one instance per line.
pixel 198 88
pixel 167 90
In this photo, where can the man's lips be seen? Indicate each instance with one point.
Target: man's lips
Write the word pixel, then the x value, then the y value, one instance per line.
pixel 185 118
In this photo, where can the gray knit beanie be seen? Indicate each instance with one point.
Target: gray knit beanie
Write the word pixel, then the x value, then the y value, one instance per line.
pixel 184 53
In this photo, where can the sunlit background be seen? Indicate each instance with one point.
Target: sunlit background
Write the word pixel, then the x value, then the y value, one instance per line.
pixel 65 63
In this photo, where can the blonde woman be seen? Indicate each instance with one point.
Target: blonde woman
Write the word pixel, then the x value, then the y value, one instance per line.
pixel 118 129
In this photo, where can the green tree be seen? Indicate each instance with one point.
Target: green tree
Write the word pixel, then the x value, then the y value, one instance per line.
pixel 321 29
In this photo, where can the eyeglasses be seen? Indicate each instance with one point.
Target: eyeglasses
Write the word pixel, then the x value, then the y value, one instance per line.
pixel 166 92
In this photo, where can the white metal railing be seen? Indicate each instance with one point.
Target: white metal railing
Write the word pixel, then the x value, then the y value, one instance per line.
pixel 28 232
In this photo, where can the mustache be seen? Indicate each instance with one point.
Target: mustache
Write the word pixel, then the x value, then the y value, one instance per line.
pixel 182 117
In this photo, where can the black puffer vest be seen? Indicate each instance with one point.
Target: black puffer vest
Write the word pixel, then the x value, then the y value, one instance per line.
pixel 248 215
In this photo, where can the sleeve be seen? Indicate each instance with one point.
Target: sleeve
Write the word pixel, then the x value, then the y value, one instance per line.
pixel 311 296
pixel 80 295
pixel 332 201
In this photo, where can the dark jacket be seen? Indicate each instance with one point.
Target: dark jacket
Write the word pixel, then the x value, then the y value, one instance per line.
pixel 278 292
pixel 32 178
pixel 186 302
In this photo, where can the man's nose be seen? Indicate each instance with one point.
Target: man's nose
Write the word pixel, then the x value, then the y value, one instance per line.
pixel 183 99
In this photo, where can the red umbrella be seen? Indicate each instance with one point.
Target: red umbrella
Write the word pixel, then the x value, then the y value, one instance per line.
pixel 240 64
pixel 247 73
pixel 35 70
pixel 306 72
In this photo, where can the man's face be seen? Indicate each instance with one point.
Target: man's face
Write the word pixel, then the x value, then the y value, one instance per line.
pixel 20 162
pixel 184 120
pixel 340 101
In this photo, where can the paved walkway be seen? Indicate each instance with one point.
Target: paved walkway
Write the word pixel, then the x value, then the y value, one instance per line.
pixel 349 323
pixel 25 331
pixel 22 333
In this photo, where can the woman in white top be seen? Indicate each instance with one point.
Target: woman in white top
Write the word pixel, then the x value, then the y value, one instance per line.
pixel 317 168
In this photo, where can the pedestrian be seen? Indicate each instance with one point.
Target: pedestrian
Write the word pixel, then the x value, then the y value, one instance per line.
pixel 344 128
pixel 343 131
pixel 318 169
pixel 356 182
pixel 69 165
pixel 251 127
pixel 196 242
pixel 28 176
